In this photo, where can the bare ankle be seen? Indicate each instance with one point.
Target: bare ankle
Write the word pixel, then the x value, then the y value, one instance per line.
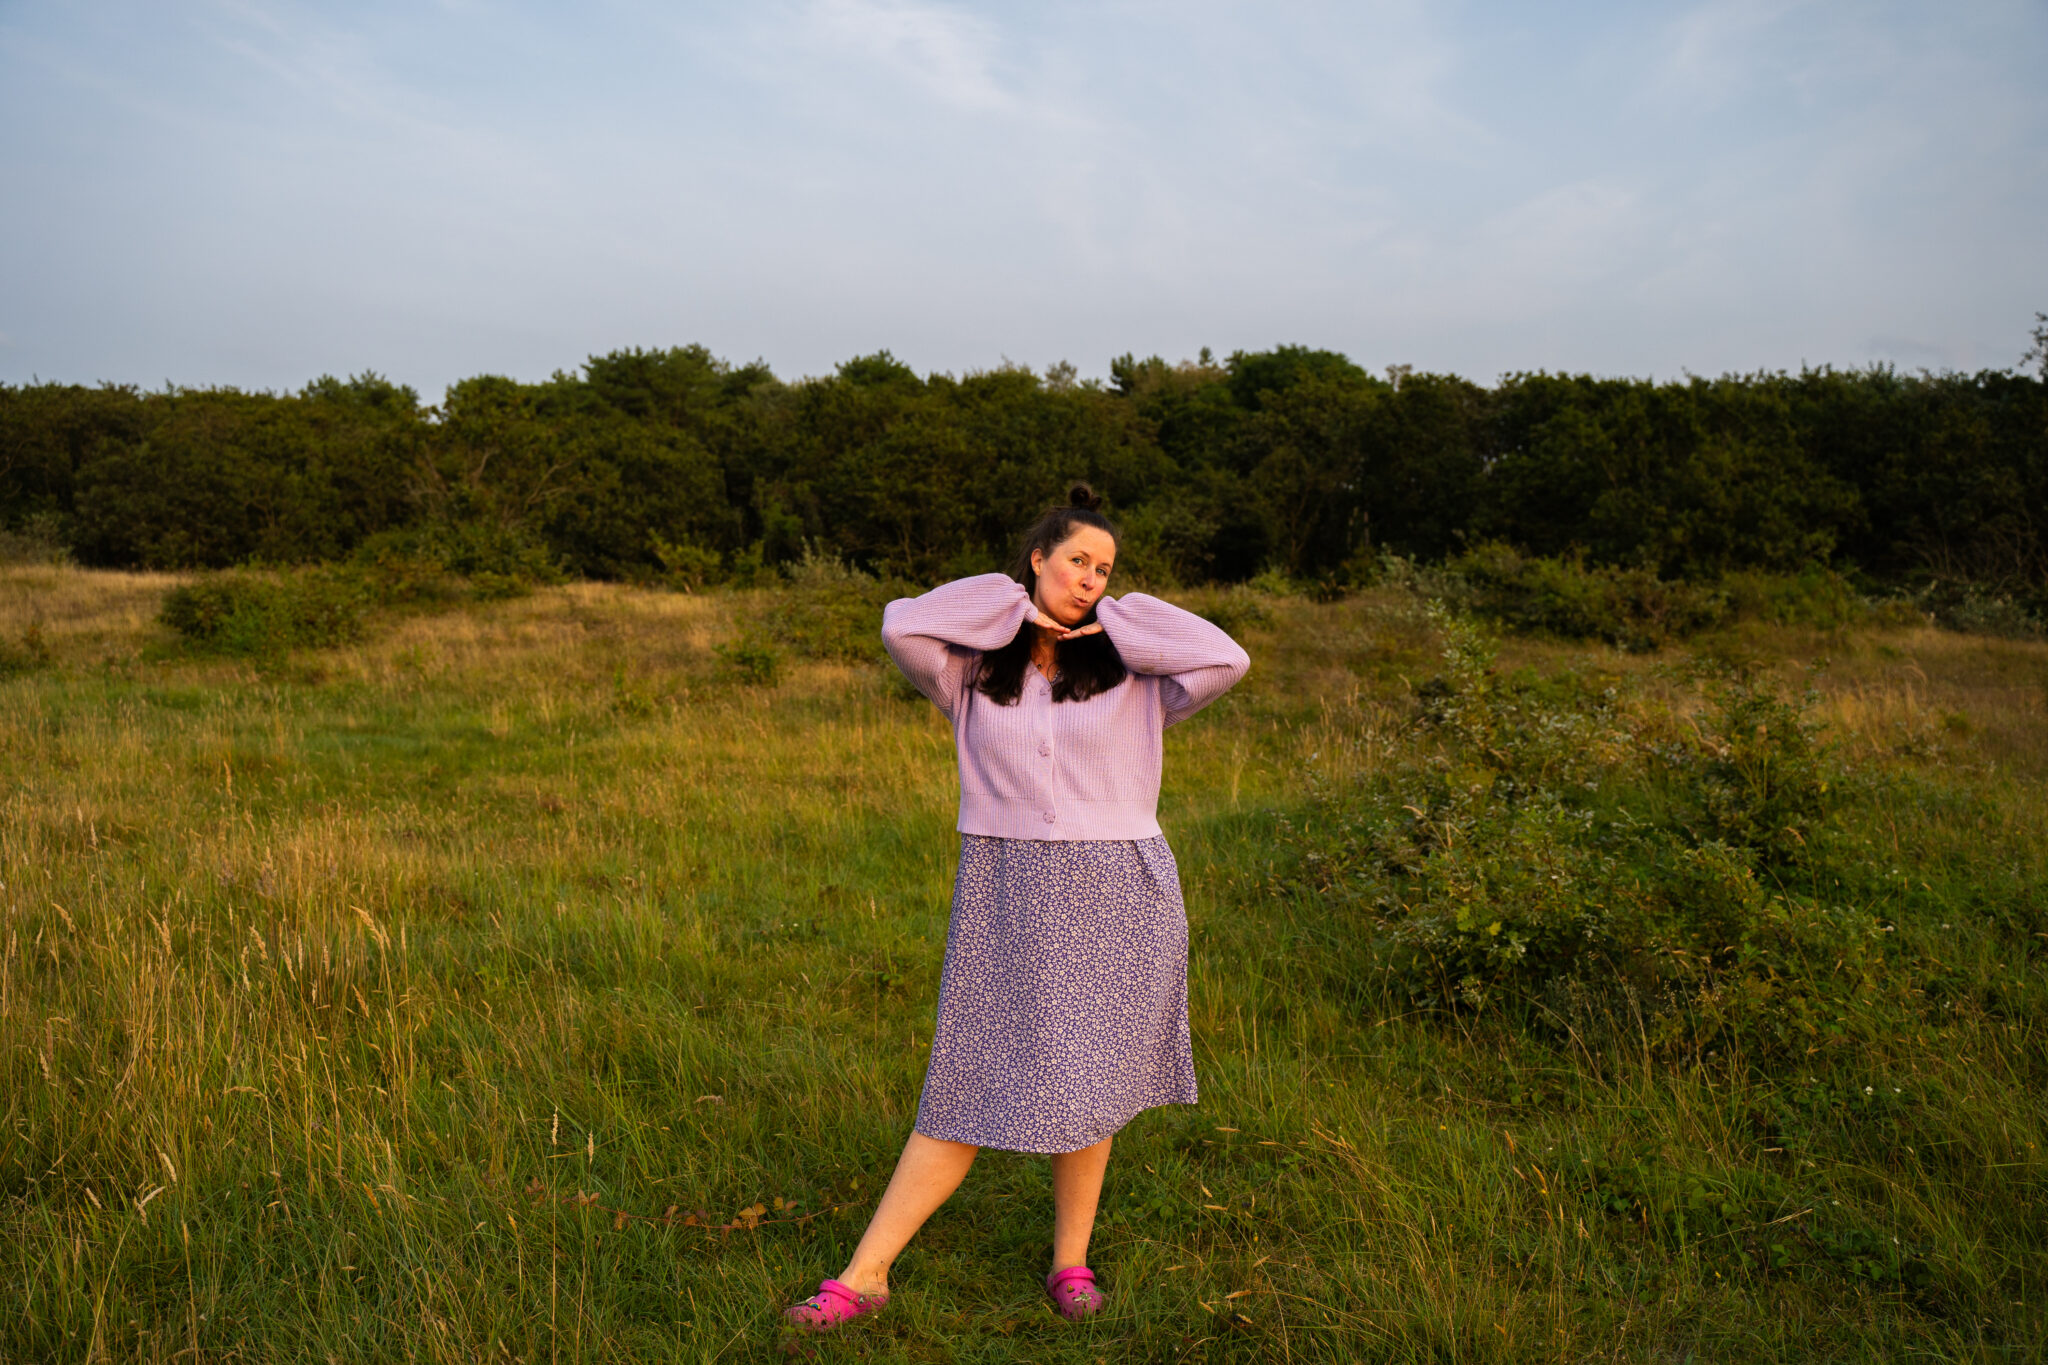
pixel 865 1279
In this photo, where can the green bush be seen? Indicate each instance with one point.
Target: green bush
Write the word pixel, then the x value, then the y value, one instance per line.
pixel 247 613
pixel 750 661
pixel 446 563
pixel 1548 856
pixel 1635 610
pixel 1631 609
pixel 251 612
pixel 1236 610
pixel 687 565
pixel 1755 777
pixel 1812 597
pixel 830 610
pixel 1975 610
pixel 498 587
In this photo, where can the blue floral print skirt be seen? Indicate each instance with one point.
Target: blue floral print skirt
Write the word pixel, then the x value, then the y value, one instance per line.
pixel 1063 1005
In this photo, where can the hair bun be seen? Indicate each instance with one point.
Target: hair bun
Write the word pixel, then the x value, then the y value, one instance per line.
pixel 1083 497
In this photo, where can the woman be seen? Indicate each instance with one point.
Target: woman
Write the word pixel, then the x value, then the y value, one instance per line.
pixel 1063 1001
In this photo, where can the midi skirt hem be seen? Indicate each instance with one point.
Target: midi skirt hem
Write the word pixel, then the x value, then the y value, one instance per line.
pixel 1063 1005
pixel 1001 1142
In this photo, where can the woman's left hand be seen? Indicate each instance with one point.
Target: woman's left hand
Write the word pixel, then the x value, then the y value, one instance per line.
pixel 1092 628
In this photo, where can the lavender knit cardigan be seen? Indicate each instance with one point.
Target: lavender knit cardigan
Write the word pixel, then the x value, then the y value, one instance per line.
pixel 1071 770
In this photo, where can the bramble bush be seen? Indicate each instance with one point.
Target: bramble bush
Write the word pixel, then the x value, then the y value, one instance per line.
pixel 1553 855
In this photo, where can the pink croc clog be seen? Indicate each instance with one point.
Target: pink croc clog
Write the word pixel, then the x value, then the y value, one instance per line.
pixel 1073 1293
pixel 833 1304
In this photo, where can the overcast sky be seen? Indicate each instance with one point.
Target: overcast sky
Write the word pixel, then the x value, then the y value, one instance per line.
pixel 256 192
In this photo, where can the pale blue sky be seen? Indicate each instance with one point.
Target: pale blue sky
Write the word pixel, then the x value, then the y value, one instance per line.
pixel 256 192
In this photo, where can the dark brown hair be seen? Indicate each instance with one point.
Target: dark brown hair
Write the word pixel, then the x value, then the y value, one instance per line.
pixel 1081 668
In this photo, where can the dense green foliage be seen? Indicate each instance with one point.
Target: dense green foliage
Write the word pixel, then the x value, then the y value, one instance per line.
pixel 675 465
pixel 1556 847
pixel 252 614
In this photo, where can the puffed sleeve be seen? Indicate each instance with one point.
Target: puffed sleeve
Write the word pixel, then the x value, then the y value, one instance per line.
pixel 933 637
pixel 1195 661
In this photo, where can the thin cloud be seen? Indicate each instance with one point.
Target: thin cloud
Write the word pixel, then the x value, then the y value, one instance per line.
pixel 326 66
pixel 1717 48
pixel 947 52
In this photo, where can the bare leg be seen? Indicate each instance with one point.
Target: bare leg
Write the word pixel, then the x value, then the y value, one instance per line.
pixel 1076 1187
pixel 929 1170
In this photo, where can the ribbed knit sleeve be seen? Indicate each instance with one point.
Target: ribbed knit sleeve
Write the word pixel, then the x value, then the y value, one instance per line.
pixel 933 637
pixel 1194 660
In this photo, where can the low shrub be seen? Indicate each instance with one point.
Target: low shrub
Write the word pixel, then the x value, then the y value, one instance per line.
pixel 1631 609
pixel 1548 854
pixel 1275 581
pixel 1755 777
pixel 249 613
pixel 688 565
pixel 442 563
pixel 252 612
pixel 1635 610
pixel 1812 597
pixel 750 661
pixel 1237 610
pixel 827 609
pixel 1974 609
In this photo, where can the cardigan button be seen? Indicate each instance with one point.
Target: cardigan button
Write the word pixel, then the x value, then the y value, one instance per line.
pixel 1050 817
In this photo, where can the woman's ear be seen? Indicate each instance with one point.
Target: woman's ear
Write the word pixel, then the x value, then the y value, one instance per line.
pixel 1037 561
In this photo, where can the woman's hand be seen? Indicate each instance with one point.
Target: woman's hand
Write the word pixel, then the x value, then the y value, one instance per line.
pixel 1060 631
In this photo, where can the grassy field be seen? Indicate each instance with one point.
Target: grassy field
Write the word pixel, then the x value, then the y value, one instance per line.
pixel 519 985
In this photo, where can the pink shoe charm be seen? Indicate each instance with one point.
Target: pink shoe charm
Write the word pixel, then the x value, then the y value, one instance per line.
pixel 1073 1293
pixel 833 1304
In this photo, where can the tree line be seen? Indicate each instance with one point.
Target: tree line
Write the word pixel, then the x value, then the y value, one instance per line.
pixel 677 465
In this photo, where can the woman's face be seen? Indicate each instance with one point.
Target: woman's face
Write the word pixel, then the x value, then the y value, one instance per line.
pixel 1071 579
